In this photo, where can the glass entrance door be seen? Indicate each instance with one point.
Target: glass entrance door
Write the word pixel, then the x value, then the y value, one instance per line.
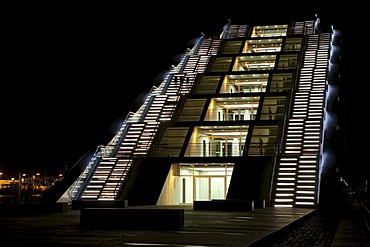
pixel 188 182
pixel 208 188
pixel 217 187
pixel 201 188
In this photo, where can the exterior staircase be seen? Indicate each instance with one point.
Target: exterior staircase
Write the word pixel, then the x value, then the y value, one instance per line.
pixel 297 175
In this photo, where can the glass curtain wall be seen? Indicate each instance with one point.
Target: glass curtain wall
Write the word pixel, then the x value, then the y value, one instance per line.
pixel 225 101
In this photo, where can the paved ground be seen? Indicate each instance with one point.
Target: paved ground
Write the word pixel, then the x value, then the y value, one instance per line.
pixel 262 227
pixel 325 228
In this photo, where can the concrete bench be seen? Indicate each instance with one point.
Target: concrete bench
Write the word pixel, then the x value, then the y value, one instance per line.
pixel 33 208
pixel 99 204
pixel 224 205
pixel 132 218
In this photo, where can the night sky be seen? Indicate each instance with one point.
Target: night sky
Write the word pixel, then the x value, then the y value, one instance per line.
pixel 72 74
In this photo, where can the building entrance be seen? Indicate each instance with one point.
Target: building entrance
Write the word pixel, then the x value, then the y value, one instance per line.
pixel 188 182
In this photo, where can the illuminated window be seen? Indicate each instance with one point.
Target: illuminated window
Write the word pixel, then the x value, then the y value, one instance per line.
pixel 254 63
pixel 263 45
pixel 215 141
pixel 269 31
pixel 245 83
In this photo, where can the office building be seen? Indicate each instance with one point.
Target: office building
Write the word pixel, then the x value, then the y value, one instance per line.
pixel 251 114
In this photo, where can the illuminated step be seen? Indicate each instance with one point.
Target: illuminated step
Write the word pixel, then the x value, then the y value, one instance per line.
pixel 283 205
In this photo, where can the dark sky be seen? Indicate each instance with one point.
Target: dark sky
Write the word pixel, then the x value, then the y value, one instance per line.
pixel 72 73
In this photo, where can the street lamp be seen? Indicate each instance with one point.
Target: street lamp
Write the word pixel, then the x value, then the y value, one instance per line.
pixel 1 177
pixel 12 185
